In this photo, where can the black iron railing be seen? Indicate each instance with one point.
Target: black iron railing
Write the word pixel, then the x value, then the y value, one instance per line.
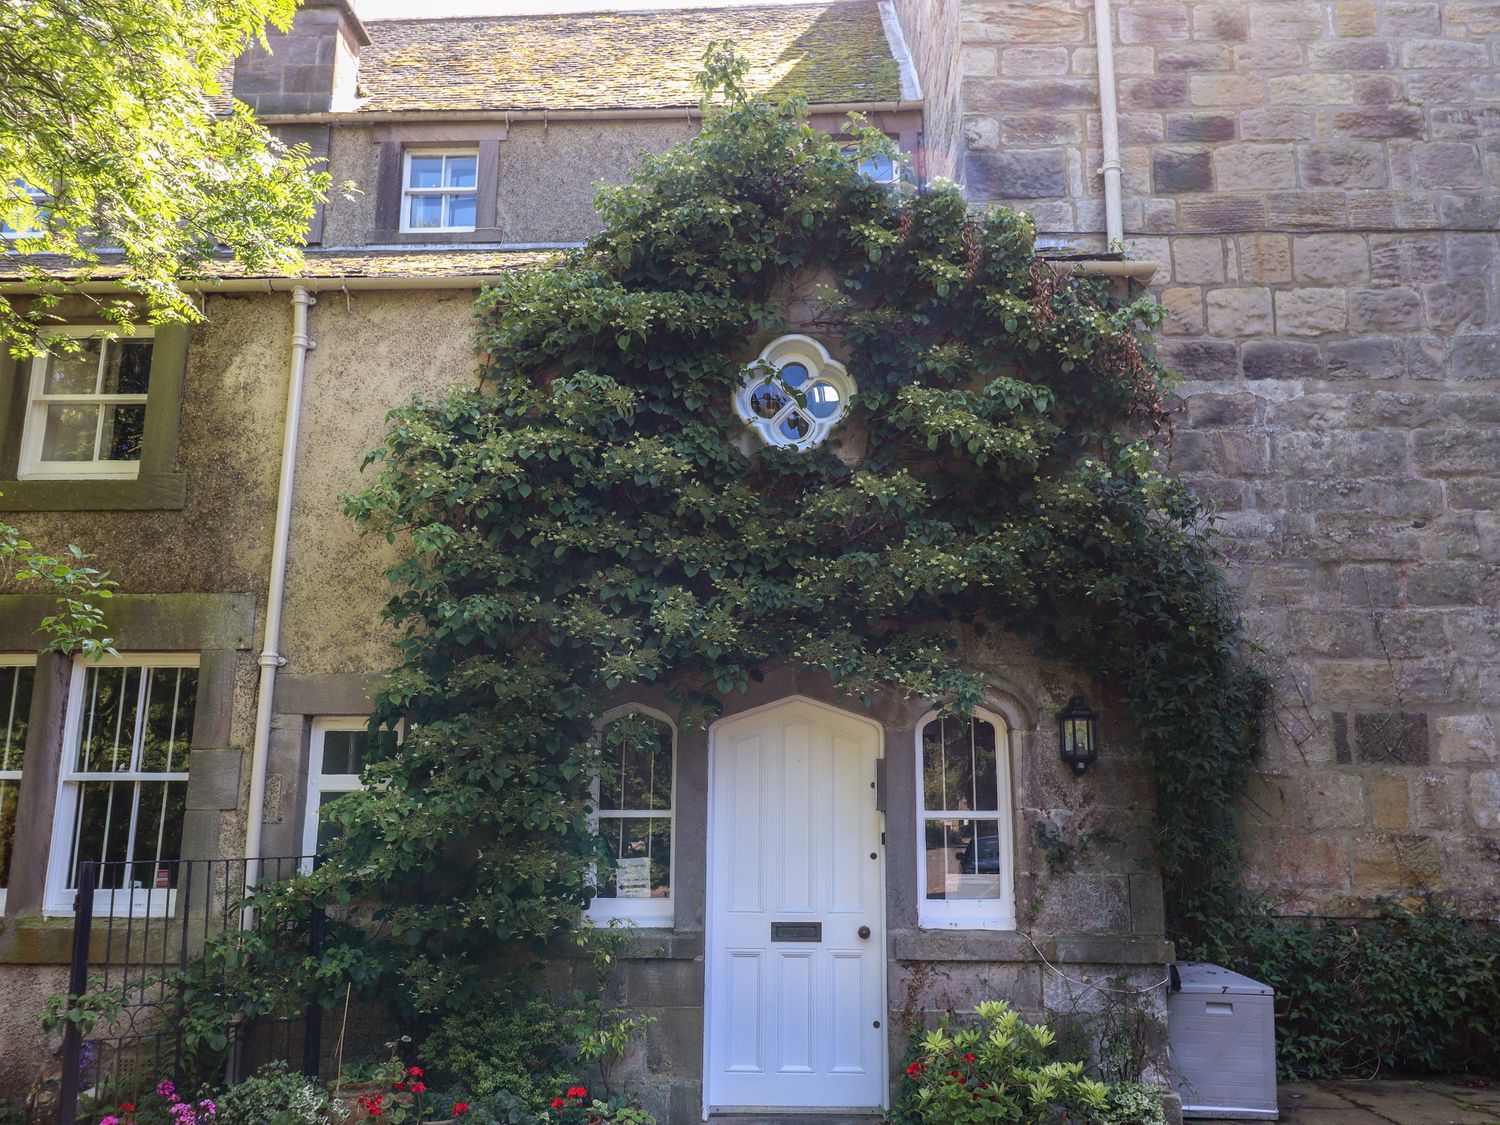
pixel 134 950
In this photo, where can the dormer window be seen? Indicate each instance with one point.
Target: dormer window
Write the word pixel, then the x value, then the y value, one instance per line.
pixel 24 211
pixel 440 191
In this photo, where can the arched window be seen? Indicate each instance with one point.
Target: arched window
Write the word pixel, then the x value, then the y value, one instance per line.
pixel 634 809
pixel 965 860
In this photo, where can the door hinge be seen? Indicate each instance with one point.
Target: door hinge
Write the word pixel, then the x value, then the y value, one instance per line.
pixel 880 785
pixel 882 839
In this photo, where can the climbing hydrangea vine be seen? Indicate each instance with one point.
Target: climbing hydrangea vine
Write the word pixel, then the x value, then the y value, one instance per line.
pixel 592 517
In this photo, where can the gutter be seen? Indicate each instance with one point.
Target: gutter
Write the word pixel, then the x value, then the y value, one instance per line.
pixel 665 113
pixel 270 659
pixel 283 284
pixel 1109 118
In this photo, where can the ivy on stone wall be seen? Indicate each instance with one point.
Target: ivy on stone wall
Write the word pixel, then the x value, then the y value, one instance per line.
pixel 594 516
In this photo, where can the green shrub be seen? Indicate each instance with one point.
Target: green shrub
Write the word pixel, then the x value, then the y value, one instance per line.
pixel 1001 1068
pixel 274 1096
pixel 502 1044
pixel 1130 1103
pixel 1406 990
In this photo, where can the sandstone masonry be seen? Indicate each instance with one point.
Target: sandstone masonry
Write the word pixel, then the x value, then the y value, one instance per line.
pixel 1320 181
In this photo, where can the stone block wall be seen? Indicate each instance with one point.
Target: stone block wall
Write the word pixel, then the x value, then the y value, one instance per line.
pixel 931 30
pixel 1320 181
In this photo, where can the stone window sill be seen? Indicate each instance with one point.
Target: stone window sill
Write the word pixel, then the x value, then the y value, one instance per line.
pixel 1142 272
pixel 152 492
pixel 435 238
pixel 1011 945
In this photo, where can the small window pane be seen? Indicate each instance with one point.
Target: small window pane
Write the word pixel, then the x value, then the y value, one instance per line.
pixel 881 168
pixel 166 738
pixel 959 766
pixel 9 791
pixel 795 426
pixel 426 172
pixel 461 210
pixel 768 400
pixel 127 367
pixel 328 828
pixel 103 825
pixel 110 700
pixel 348 751
pixel 426 211
pixel 158 833
pixel 962 859
pixel 823 401
pixel 794 375
pixel 15 699
pixel 635 772
pixel 462 171
pixel 69 433
pixel 73 368
pixel 642 847
pixel 124 427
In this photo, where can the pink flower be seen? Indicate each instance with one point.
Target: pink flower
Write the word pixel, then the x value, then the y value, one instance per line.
pixel 166 1089
pixel 109 1119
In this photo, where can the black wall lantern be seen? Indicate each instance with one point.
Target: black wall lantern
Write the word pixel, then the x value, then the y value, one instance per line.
pixel 1078 734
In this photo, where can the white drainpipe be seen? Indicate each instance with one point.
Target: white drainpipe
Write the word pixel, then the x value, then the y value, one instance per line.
pixel 1109 118
pixel 270 657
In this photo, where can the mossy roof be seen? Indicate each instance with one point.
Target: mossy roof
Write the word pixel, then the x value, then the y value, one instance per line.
pixel 834 53
pixel 415 263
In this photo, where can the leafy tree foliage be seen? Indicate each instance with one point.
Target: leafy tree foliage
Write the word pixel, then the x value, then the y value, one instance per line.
pixel 106 111
pixel 594 517
pixel 76 624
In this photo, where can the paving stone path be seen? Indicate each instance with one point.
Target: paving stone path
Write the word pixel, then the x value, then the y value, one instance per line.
pixel 1389 1102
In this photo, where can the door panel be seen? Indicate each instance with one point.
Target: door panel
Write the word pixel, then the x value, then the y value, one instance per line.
pixel 794 838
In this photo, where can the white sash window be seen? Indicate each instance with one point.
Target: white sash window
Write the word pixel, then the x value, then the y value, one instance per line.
pixel 634 810
pixel 965 858
pixel 126 747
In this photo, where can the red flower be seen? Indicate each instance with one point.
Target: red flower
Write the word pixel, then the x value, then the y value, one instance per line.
pixel 968 1058
pixel 577 1092
pixel 419 1087
pixel 127 1107
pixel 400 1086
pixel 915 1069
pixel 558 1103
pixel 414 1071
pixel 460 1108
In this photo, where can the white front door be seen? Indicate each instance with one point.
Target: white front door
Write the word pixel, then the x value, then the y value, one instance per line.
pixel 795 1009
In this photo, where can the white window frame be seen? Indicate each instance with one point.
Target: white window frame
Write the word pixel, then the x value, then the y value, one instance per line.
pixel 653 912
pixel 408 193
pixel 59 898
pixel 32 467
pixel 974 913
pixel 318 782
pixel 821 368
pixel 39 199
pixel 14 660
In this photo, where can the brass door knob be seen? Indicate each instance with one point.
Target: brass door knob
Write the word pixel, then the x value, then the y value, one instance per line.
pixel 864 932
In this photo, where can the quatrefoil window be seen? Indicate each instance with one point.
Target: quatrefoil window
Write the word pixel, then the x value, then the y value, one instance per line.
pixel 795 393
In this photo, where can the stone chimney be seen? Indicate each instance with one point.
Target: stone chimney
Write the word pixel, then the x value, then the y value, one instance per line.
pixel 313 67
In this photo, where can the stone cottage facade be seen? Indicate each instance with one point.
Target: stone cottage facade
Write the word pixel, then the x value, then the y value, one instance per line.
pixel 1311 188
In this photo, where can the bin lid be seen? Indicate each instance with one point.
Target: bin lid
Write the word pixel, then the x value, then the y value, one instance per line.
pixel 1202 976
